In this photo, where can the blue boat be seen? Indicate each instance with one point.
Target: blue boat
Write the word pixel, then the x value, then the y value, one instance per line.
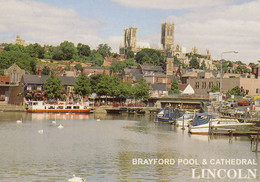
pixel 168 115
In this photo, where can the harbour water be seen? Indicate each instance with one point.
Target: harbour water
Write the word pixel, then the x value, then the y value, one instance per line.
pixel 117 148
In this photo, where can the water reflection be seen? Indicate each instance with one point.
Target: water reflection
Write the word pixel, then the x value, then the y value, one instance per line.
pixel 104 150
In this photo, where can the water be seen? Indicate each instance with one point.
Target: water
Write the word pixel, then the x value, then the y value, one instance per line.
pixel 107 150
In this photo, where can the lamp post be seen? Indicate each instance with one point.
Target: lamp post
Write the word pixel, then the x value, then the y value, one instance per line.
pixel 221 62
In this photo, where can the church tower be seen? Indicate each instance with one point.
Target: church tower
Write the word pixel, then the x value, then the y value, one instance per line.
pixel 130 38
pixel 167 36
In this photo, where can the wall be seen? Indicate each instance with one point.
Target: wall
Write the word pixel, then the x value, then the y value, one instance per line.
pixel 16 95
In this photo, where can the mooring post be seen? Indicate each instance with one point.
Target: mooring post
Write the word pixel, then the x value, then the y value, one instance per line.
pixel 183 123
pixel 257 140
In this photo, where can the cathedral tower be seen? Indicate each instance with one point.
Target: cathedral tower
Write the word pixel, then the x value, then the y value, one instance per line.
pixel 130 38
pixel 167 36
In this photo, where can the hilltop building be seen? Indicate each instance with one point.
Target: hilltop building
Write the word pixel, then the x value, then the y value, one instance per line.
pixel 20 41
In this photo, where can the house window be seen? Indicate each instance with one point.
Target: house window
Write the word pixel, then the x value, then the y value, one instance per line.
pixel 218 84
pixel 210 84
pixel 204 85
pixel 197 85
pixel 257 91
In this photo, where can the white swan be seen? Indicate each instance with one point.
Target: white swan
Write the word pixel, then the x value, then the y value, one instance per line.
pixel 53 122
pixel 40 131
pixel 19 121
pixel 76 179
pixel 60 126
pixel 98 120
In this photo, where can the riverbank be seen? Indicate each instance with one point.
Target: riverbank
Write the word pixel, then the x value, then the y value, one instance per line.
pixel 11 108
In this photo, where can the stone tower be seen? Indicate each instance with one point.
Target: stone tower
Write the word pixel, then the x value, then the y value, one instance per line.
pixel 130 38
pixel 167 36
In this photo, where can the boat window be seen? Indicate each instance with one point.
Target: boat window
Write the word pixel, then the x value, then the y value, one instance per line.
pixel 60 107
pixel 85 107
pixel 75 107
pixel 68 107
pixel 51 107
pixel 35 103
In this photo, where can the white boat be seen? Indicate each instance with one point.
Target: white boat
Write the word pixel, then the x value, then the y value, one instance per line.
pixel 184 120
pixel 206 123
pixel 62 107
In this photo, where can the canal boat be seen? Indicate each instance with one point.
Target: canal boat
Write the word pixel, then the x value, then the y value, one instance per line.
pixel 62 107
pixel 208 123
pixel 168 115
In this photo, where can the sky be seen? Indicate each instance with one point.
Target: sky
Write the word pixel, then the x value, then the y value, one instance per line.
pixel 217 25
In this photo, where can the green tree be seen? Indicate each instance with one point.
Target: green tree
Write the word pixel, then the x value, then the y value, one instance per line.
pixel 117 66
pixel 241 69
pixel 83 49
pixel 96 58
pixel 174 87
pixel 94 80
pixel 46 70
pixel 141 90
pixel 130 62
pixel 104 86
pixel 176 61
pixel 194 62
pixel 53 87
pixel 130 54
pixel 35 50
pixel 23 60
pixel 82 86
pixel 214 88
pixel 147 56
pixel 78 67
pixel 13 47
pixel 65 51
pixel 203 66
pixel 104 50
pixel 236 91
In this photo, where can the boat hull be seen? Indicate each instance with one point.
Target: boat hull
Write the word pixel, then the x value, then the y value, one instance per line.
pixel 58 110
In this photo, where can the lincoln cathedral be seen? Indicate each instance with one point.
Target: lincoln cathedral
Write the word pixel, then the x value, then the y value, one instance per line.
pixel 167 47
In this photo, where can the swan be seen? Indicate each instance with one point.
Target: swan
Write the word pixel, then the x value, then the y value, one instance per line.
pixel 53 122
pixel 19 121
pixel 40 131
pixel 98 120
pixel 76 179
pixel 60 126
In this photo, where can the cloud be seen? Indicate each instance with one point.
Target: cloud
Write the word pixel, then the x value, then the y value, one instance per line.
pixel 173 4
pixel 235 27
pixel 45 24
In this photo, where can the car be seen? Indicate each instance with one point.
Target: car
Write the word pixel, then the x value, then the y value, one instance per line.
pixel 243 103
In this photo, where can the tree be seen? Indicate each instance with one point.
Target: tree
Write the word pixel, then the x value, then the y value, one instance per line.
pixel 141 90
pixel 174 87
pixel 96 58
pixel 241 69
pixel 117 66
pixel 46 70
pixel 203 66
pixel 13 47
pixel 236 91
pixel 82 86
pixel 94 80
pixel 176 61
pixel 65 51
pixel 83 50
pixel 78 67
pixel 53 87
pixel 130 54
pixel 23 60
pixel 148 56
pixel 194 62
pixel 214 88
pixel 104 50
pixel 35 50
pixel 103 86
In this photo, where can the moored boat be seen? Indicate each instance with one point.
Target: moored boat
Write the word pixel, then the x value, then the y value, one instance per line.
pixel 168 115
pixel 41 107
pixel 208 123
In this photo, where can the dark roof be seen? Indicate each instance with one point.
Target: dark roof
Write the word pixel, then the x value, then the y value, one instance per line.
pixel 40 80
pixel 134 71
pixel 152 68
pixel 160 86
